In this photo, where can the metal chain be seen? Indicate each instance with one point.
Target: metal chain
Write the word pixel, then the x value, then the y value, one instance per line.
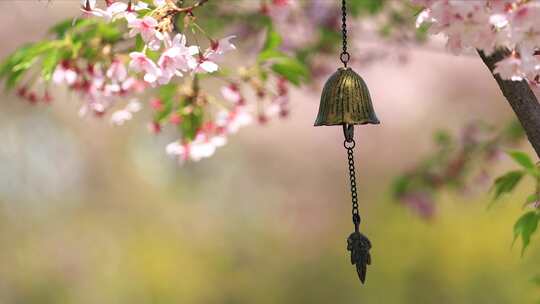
pixel 345 56
pixel 349 145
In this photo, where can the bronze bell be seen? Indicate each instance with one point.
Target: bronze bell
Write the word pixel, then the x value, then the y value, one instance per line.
pixel 345 100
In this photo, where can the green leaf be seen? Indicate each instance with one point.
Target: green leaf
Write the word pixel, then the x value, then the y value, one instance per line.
pixel 400 186
pixel 292 69
pixel 443 138
pixel 109 32
pixel 139 43
pixel 523 159
pixel 271 54
pixel 357 7
pixel 167 94
pixel 16 65
pixel 191 123
pixel 525 227
pixel 68 25
pixel 273 40
pixel 50 61
pixel 168 91
pixel 270 49
pixel 421 33
pixel 531 199
pixel 507 183
pixel 514 131
pixel 536 279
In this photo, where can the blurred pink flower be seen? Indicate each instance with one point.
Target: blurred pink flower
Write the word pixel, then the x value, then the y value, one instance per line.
pixel 231 93
pixel 146 27
pixel 141 63
pixel 510 68
pixel 64 74
pixel 117 72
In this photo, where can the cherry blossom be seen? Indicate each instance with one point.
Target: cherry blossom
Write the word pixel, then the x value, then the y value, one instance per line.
pixel 117 72
pixel 207 62
pixel 176 59
pixel 121 116
pixel 510 68
pixel 488 25
pixel 222 46
pixel 141 63
pixel 88 5
pixel 202 147
pixel 231 93
pixel 146 27
pixel 64 74
pixel 109 83
pixel 232 121
pixel 204 64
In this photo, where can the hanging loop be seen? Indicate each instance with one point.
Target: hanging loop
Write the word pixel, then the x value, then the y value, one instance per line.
pixel 345 57
pixel 348 132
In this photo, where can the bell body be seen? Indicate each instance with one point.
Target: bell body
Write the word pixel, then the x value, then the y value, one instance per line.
pixel 345 100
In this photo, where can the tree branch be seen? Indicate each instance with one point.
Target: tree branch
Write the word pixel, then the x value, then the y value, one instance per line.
pixel 521 99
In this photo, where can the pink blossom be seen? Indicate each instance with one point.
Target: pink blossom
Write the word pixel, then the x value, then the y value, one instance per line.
pixel 117 72
pixel 222 46
pixel 159 3
pixel 177 58
pixel 185 59
pixel 64 74
pixel 179 151
pixel 206 62
pixel 231 93
pixel 175 119
pixel 113 11
pixel 156 104
pixel 146 27
pixel 526 27
pixel 200 148
pixel 141 63
pixel 119 117
pixel 204 65
pixel 232 121
pixel 510 68
pixel 488 25
pixel 169 65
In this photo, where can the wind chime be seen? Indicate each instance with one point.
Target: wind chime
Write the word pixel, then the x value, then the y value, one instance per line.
pixel 345 101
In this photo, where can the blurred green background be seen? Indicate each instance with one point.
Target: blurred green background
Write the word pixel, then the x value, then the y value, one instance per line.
pixel 95 214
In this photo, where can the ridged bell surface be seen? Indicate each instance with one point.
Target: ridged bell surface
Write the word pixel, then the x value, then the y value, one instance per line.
pixel 345 100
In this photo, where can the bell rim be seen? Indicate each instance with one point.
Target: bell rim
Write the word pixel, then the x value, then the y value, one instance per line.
pixel 356 123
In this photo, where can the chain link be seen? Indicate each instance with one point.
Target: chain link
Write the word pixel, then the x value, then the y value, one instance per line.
pixel 349 145
pixel 345 56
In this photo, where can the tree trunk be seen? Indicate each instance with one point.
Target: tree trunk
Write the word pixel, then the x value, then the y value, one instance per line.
pixel 521 99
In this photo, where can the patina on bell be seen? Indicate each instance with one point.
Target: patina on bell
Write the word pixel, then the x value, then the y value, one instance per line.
pixel 345 100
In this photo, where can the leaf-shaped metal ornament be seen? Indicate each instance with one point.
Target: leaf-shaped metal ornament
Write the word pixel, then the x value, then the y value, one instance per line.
pixel 359 246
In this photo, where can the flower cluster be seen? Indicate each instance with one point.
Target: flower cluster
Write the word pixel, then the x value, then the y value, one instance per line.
pixel 100 88
pixel 173 57
pixel 462 163
pixel 488 25
pixel 119 55
pixel 234 113
pixel 176 57
pixel 211 136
